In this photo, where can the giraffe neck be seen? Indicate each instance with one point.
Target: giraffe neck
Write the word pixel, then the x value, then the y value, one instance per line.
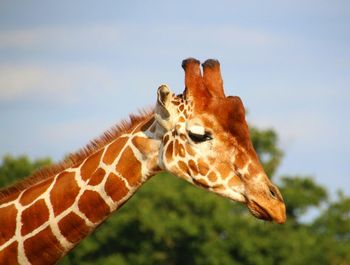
pixel 43 222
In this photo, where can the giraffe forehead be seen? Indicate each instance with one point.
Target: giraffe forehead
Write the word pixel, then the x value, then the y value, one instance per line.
pixel 201 122
pixel 226 117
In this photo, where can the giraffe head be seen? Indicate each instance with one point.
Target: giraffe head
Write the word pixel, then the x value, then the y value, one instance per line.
pixel 206 141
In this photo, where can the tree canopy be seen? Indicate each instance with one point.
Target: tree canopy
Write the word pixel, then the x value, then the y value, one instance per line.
pixel 169 221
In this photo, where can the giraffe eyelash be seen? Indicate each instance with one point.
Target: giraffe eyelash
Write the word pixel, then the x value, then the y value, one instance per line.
pixel 199 138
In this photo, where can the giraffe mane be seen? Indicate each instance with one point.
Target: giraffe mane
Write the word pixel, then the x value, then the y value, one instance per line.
pixel 79 156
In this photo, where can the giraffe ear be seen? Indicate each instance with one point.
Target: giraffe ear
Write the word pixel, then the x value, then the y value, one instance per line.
pixel 162 113
pixel 163 99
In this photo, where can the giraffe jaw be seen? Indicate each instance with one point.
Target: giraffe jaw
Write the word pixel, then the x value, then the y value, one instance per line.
pixel 235 195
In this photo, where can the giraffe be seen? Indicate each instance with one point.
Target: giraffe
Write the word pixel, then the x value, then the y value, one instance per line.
pixel 200 136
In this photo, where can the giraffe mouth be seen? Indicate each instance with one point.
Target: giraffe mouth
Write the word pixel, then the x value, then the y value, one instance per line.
pixel 258 211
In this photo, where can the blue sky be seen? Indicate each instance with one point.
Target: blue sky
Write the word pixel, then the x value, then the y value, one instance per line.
pixel 71 69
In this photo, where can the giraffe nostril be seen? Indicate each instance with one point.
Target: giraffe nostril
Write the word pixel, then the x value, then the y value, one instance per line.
pixel 274 193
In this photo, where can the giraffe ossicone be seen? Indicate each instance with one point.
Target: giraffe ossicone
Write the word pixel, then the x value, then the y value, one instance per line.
pixel 200 136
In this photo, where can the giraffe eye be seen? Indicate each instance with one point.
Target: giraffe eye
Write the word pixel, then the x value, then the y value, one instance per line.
pixel 198 138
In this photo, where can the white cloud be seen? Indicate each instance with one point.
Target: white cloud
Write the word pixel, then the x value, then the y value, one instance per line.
pixel 61 37
pixel 180 39
pixel 233 35
pixel 75 133
pixel 58 82
pixel 109 36
pixel 28 78
pixel 16 81
pixel 309 131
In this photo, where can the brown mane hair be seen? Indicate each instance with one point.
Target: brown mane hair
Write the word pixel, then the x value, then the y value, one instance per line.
pixel 77 157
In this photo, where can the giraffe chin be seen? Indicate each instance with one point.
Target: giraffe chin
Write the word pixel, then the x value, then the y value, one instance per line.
pixel 264 214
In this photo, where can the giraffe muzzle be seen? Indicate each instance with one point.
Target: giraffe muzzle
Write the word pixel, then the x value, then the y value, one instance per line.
pixel 276 214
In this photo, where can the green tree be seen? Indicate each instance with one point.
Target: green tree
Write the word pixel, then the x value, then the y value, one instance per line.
pixel 13 169
pixel 333 225
pixel 266 145
pixel 301 193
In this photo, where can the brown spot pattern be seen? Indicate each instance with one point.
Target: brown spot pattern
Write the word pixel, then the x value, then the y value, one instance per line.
pixel 181 150
pixel 73 228
pixel 193 167
pixel 202 182
pixel 93 206
pixel 43 248
pixel 90 165
pixel 253 170
pixel 241 160
pixel 182 165
pixel 113 150
pixel 212 176
pixel 34 192
pixel 34 216
pixel 224 170
pixel 115 187
pixel 183 137
pixel 234 181
pixel 64 192
pixel 8 255
pixel 176 147
pixel 7 223
pixel 129 167
pixel 166 138
pixel 97 177
pixel 142 144
pixel 147 124
pixel 189 150
pixel 169 152
pixel 153 129
pixel 203 167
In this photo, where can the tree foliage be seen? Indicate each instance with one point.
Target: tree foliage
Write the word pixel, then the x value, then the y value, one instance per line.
pixel 266 145
pixel 302 193
pixel 13 169
pixel 171 222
